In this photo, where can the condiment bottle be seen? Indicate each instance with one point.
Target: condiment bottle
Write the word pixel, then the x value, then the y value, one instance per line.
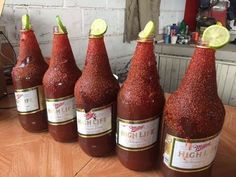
pixel 27 78
pixel 139 108
pixel 193 117
pixel 59 82
pixel 96 93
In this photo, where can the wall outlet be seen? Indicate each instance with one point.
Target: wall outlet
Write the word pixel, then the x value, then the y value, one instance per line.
pixel 3 29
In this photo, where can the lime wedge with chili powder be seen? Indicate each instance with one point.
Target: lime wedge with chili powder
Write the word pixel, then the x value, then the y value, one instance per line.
pixel 148 30
pixel 98 27
pixel 62 28
pixel 26 22
pixel 216 36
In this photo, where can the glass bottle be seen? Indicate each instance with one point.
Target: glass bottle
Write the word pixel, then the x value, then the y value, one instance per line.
pixel 27 78
pixel 96 93
pixel 59 82
pixel 193 117
pixel 139 110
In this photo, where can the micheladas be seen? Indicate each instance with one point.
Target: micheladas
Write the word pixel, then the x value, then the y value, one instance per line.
pixel 140 104
pixel 59 82
pixel 27 76
pixel 194 114
pixel 96 92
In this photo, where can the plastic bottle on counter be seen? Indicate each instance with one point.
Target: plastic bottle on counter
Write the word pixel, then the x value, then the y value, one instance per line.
pixel 193 117
pixel 96 92
pixel 140 104
pixel 59 82
pixel 27 78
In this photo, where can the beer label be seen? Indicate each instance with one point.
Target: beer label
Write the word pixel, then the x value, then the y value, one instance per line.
pixel 95 123
pixel 61 110
pixel 137 135
pixel 30 100
pixel 190 155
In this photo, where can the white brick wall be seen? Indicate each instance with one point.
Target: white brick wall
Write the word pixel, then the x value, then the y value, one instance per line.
pixel 172 11
pixel 77 15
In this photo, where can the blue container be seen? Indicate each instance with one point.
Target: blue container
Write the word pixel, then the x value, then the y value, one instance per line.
pixel 166 39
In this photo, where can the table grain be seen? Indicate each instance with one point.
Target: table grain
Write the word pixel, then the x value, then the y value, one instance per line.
pixel 24 154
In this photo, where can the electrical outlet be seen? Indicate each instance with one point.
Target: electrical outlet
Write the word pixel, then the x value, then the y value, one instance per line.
pixel 3 29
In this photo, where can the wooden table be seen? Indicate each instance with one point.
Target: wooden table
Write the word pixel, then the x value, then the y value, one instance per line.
pixel 24 154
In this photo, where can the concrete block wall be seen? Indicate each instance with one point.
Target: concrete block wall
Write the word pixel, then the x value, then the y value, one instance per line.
pixel 171 11
pixel 77 15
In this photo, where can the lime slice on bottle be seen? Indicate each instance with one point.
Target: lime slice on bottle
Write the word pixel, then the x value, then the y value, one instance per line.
pixel 148 30
pixel 26 22
pixel 98 27
pixel 62 28
pixel 216 36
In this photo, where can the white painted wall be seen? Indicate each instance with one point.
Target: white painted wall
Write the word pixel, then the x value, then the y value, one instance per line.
pixel 77 15
pixel 171 11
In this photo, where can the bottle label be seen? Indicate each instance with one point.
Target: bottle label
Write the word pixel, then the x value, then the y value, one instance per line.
pixel 135 135
pixel 190 155
pixel 30 100
pixel 95 123
pixel 61 110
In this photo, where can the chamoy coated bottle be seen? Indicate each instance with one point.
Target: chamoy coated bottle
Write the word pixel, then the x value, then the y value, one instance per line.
pixel 193 117
pixel 139 110
pixel 27 78
pixel 59 82
pixel 96 93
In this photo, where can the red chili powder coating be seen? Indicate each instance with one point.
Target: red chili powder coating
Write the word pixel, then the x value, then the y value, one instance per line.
pixel 95 88
pixel 195 110
pixel 140 98
pixel 59 81
pixel 27 73
pixel 195 106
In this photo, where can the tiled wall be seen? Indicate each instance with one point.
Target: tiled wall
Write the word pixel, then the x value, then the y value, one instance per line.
pixel 77 15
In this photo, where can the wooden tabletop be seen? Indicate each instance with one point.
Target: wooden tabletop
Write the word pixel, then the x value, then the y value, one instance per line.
pixel 24 154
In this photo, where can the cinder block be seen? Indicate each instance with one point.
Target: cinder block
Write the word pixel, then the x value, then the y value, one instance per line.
pixel 35 2
pixel 116 4
pixel 116 48
pixel 111 16
pixel 172 5
pixel 43 20
pixel 85 3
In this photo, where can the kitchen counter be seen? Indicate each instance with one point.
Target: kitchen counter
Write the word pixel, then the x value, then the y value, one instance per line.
pixel 24 154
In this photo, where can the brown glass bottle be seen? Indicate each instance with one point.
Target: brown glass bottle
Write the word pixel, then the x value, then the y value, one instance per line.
pixel 59 82
pixel 96 93
pixel 193 117
pixel 139 109
pixel 27 78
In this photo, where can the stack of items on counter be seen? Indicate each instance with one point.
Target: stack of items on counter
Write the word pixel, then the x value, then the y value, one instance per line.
pixel 179 34
pixel 182 134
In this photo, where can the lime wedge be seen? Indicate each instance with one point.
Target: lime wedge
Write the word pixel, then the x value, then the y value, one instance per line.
pixel 216 36
pixel 26 22
pixel 62 28
pixel 148 30
pixel 98 27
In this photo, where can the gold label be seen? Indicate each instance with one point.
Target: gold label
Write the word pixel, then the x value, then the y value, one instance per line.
pixel 190 155
pixel 137 135
pixel 30 100
pixel 95 123
pixel 61 111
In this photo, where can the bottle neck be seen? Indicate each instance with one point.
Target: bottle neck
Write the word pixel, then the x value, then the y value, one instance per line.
pixel 201 73
pixel 143 65
pixel 61 51
pixel 29 47
pixel 97 61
